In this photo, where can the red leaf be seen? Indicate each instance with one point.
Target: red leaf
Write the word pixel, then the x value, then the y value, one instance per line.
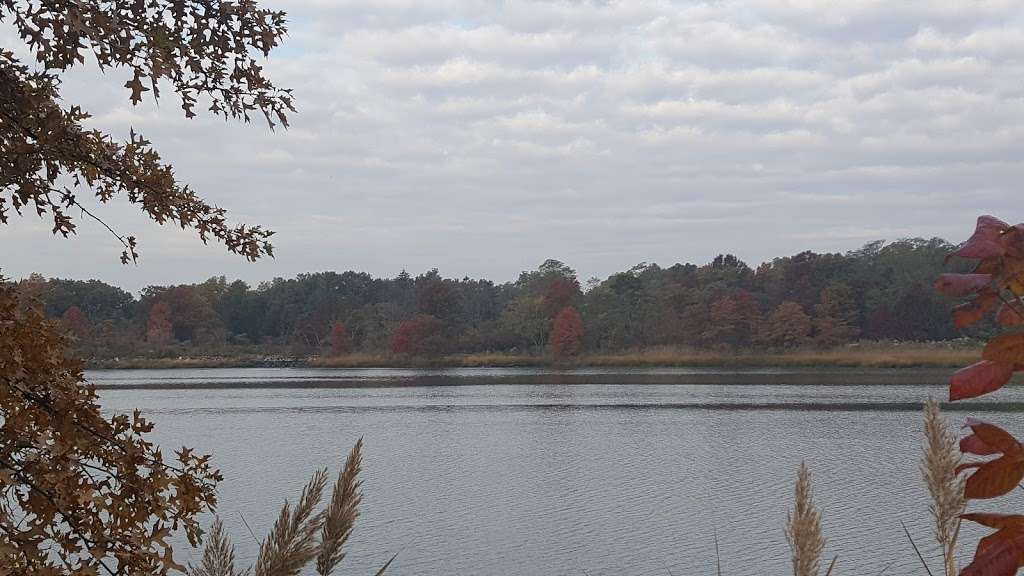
pixel 997 521
pixel 973 445
pixel 1013 241
pixel 978 379
pixel 999 557
pixel 966 314
pixel 1011 314
pixel 970 312
pixel 960 285
pixel 1006 349
pixel 994 437
pixel 995 478
pixel 989 221
pixel 986 240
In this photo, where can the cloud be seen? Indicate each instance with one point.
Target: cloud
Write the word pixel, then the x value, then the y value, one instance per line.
pixel 481 136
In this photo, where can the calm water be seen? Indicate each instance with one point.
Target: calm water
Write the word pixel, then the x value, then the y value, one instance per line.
pixel 593 472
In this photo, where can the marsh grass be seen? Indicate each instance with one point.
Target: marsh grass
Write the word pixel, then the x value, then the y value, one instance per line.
pixel 938 466
pixel 861 355
pixel 803 528
pixel 301 536
pixel 865 355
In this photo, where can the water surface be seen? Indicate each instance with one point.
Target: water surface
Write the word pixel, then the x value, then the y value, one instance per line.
pixel 585 472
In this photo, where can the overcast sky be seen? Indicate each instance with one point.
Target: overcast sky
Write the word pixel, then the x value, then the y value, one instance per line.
pixel 481 138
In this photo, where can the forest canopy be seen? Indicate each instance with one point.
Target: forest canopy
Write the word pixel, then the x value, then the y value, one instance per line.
pixel 881 291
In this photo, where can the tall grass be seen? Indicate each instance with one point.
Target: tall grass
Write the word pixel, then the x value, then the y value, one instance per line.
pixel 301 536
pixel 938 465
pixel 803 528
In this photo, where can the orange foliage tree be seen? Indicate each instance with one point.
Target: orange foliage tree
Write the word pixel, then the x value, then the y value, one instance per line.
pixel 732 320
pixel 996 284
pixel 81 493
pixel 835 317
pixel 567 333
pixel 788 325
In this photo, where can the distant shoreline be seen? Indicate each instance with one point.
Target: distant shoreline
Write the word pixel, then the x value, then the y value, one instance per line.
pixel 868 355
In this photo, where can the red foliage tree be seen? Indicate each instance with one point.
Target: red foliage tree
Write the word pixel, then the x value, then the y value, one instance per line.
pixel 158 324
pixel 76 322
pixel 567 333
pixel 420 336
pixel 996 283
pixel 558 294
pixel 339 339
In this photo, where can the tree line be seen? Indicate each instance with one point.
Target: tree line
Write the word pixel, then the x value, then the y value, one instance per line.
pixel 882 291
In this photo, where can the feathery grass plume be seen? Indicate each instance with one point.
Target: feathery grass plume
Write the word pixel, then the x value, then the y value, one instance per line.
pixel 341 513
pixel 938 465
pixel 218 555
pixel 803 528
pixel 292 542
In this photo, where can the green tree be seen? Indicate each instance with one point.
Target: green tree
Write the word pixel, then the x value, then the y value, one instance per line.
pixel 436 296
pixel 527 318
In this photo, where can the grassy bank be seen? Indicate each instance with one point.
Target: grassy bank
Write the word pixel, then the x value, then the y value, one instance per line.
pixel 864 355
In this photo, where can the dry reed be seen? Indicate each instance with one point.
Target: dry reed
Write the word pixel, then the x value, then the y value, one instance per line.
pixel 293 541
pixel 341 513
pixel 803 528
pixel 218 555
pixel 938 465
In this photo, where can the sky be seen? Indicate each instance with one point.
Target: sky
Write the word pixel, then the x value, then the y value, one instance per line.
pixel 481 138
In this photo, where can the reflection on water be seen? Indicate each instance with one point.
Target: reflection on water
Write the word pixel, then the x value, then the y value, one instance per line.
pixel 583 472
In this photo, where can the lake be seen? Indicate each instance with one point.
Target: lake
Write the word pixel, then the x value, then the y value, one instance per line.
pixel 584 472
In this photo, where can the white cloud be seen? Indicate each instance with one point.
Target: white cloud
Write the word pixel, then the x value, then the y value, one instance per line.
pixel 477 135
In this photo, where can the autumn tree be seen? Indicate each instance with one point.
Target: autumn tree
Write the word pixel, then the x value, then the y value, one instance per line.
pixel 83 493
pixel 559 293
pixel 786 326
pixel 419 336
pixel 158 324
pixel 835 316
pixel 191 312
pixel 339 339
pixel 76 322
pixel 733 320
pixel 567 333
pixel 541 295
